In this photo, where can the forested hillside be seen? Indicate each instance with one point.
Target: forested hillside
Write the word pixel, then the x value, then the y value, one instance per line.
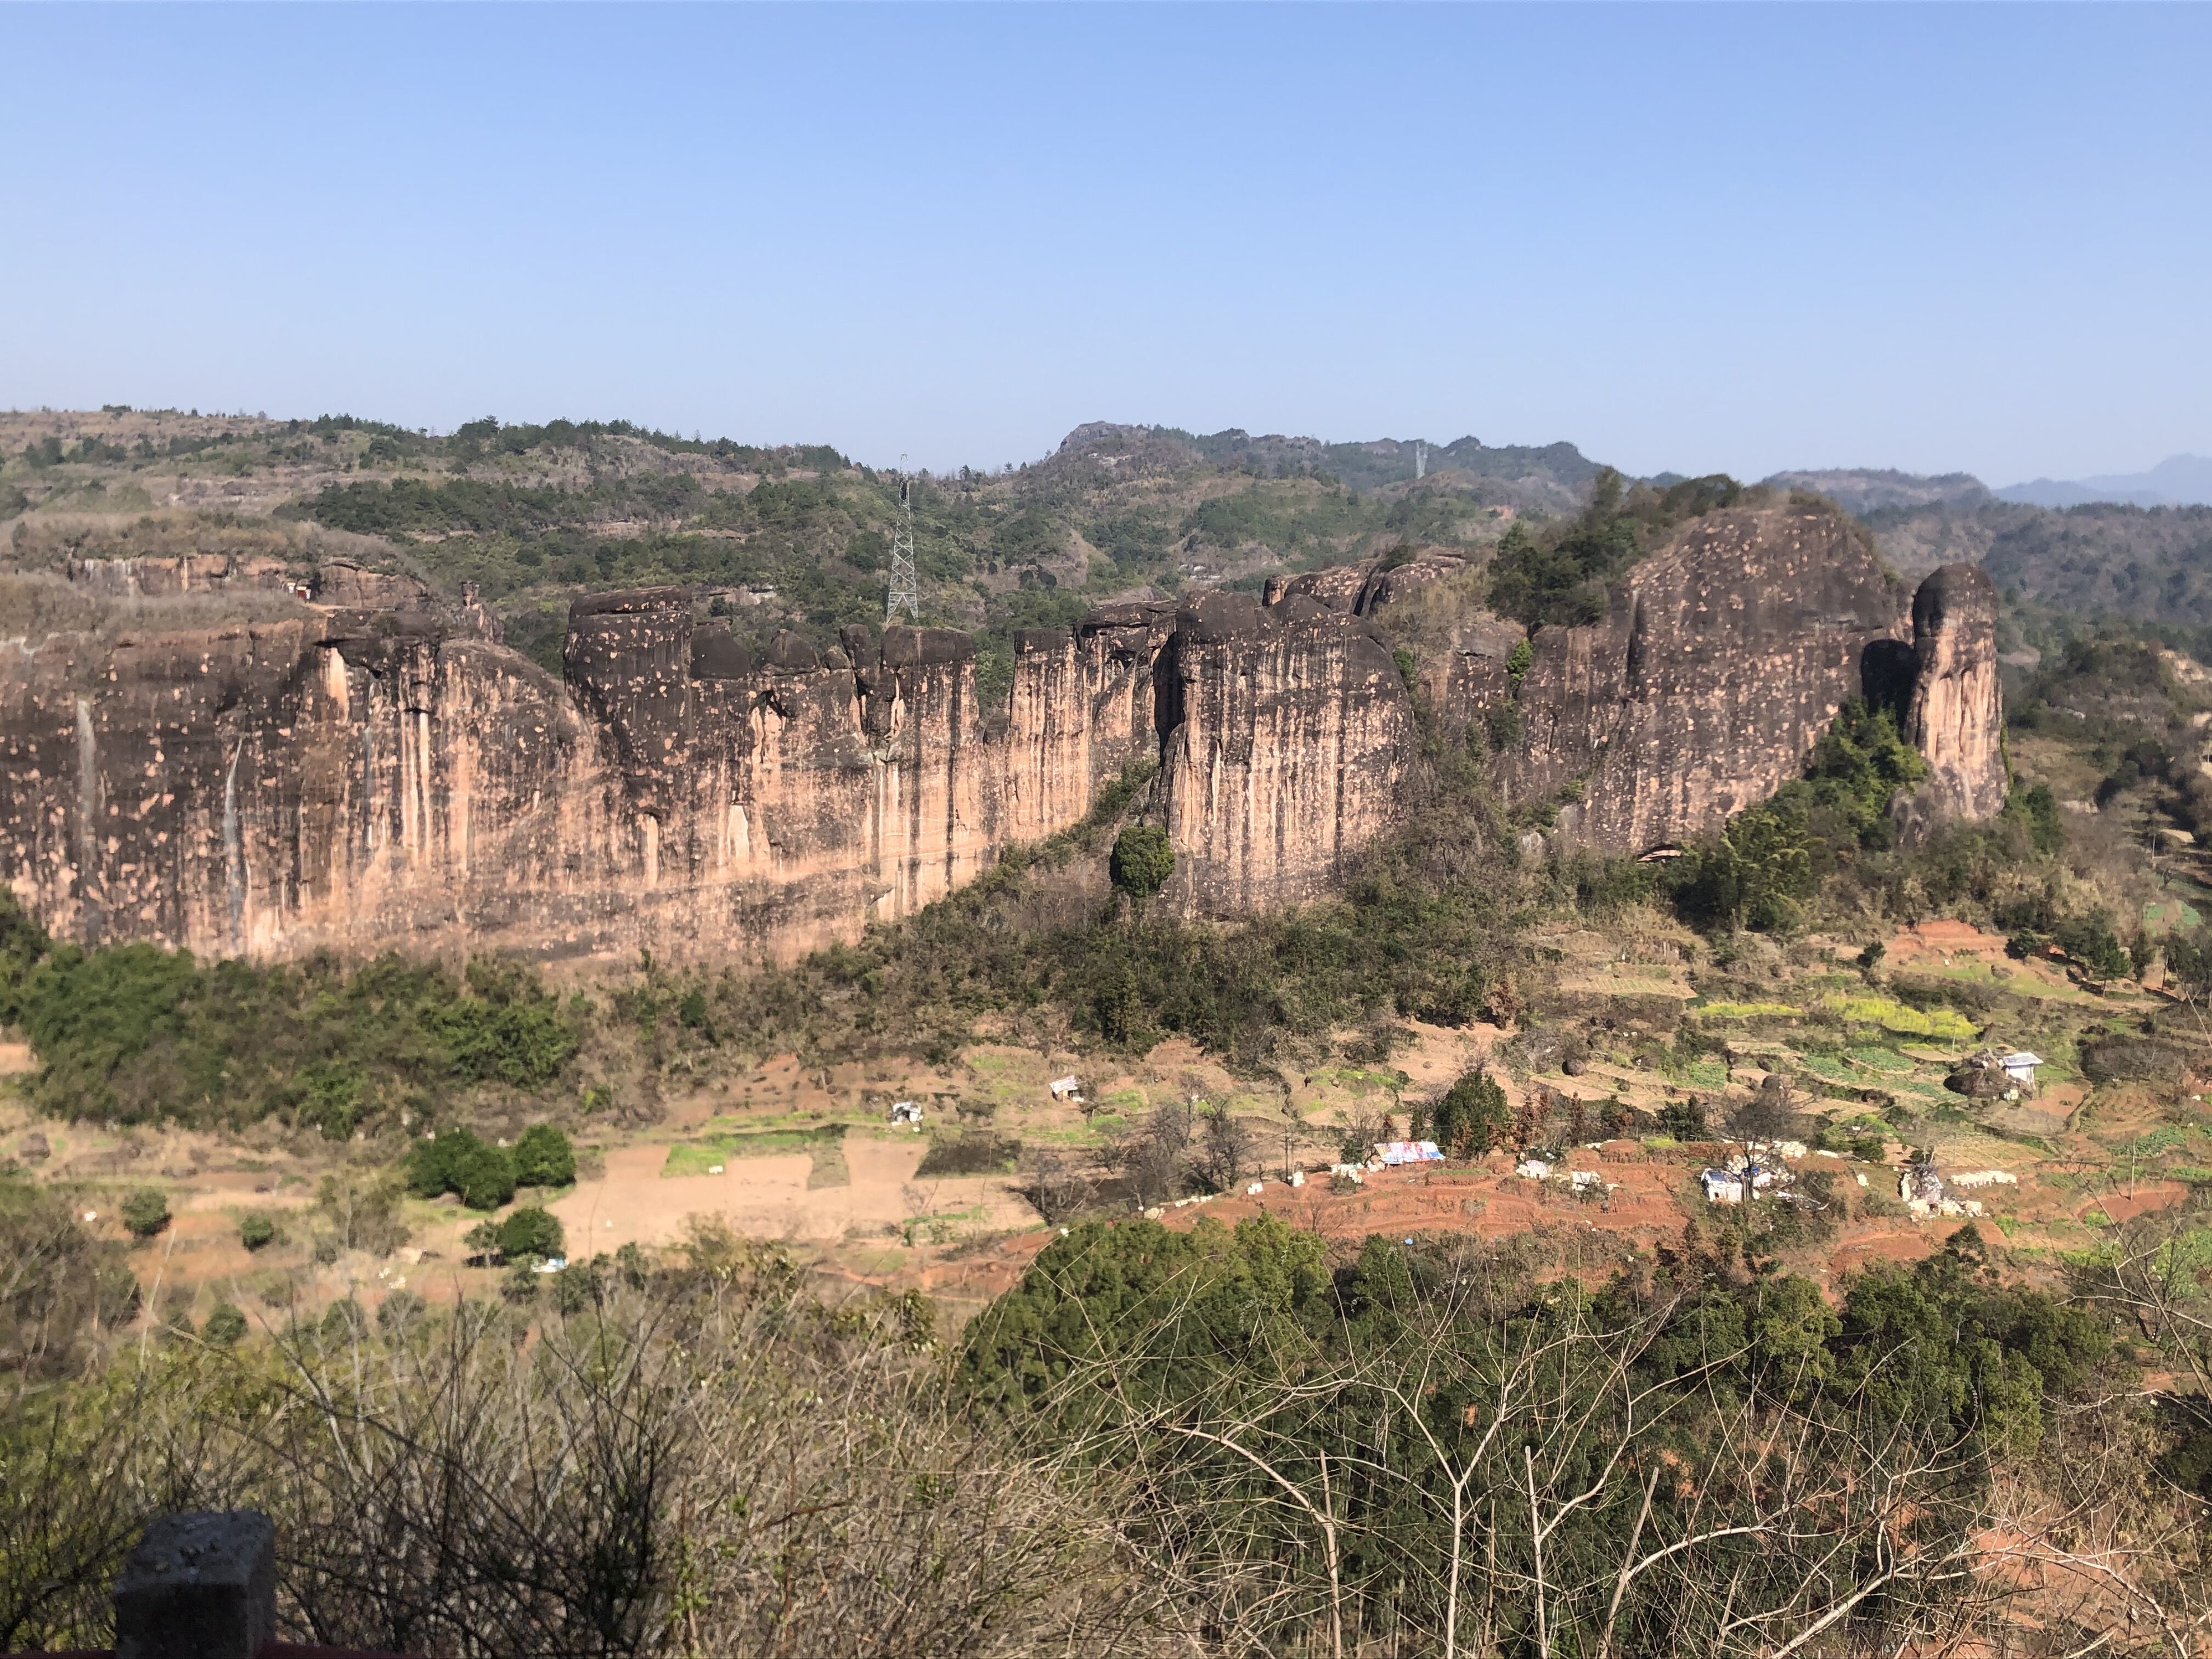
pixel 794 536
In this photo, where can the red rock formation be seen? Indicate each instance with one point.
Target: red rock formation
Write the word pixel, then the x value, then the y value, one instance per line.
pixel 1288 733
pixel 363 777
pixel 359 780
pixel 1725 656
pixel 1955 716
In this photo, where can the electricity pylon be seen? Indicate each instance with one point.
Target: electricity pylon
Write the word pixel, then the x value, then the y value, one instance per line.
pixel 906 581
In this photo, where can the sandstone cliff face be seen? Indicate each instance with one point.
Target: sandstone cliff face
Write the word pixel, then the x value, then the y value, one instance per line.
pixel 359 780
pixel 1955 714
pixel 1288 733
pixel 1725 656
pixel 375 774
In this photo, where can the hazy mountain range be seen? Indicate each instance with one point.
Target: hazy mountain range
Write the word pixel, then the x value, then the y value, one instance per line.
pixel 2177 481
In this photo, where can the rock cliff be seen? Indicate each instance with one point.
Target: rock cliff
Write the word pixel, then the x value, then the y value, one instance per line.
pixel 1288 731
pixel 1724 657
pixel 1955 713
pixel 367 771
pixel 360 779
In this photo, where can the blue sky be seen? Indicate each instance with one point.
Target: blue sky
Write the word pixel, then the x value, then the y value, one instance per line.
pixel 1735 237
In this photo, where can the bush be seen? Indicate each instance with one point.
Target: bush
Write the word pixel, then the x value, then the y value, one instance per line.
pixel 225 1327
pixel 134 1034
pixel 61 1284
pixel 1472 1118
pixel 544 1158
pixel 362 1211
pixel 256 1230
pixel 483 1175
pixel 146 1212
pixel 531 1232
pixel 1142 861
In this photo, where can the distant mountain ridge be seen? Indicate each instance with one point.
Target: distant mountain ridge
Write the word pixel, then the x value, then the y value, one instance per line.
pixel 1868 489
pixel 2177 481
pixel 2087 553
pixel 1549 477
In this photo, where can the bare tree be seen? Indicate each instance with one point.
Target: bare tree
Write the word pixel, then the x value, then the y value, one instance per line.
pixel 1226 1148
pixel 1056 1182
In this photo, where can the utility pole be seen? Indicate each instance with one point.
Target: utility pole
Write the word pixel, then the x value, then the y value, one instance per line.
pixel 906 582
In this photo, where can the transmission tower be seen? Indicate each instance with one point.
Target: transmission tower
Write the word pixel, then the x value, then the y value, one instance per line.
pixel 906 582
pixel 1420 460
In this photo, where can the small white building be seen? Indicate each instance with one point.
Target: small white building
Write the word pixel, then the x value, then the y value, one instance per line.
pixel 1722 1186
pixel 2019 1067
pixel 1066 1088
pixel 906 1111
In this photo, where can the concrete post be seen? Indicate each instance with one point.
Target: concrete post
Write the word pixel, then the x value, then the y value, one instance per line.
pixel 198 1587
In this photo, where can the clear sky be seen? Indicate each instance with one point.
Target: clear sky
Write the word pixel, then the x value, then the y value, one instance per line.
pixel 1739 238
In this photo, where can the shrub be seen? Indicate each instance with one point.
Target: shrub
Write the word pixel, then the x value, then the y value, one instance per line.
pixel 256 1230
pixel 361 1211
pixel 145 1212
pixel 225 1327
pixel 544 1158
pixel 1472 1117
pixel 483 1175
pixel 400 1311
pixel 132 1033
pixel 531 1231
pixel 1142 861
pixel 61 1284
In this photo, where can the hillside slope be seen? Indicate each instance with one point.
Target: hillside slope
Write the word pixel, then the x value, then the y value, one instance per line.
pixel 793 537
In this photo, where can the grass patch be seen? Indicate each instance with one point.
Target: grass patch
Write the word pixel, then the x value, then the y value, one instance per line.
pixel 826 1145
pixel 1881 1060
pixel 1702 1074
pixel 1744 1010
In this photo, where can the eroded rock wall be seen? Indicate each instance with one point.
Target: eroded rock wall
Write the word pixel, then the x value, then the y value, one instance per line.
pixel 375 774
pixel 1724 658
pixel 1288 733
pixel 359 779
pixel 1955 715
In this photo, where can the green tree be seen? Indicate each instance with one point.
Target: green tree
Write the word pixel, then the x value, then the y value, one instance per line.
pixel 531 1232
pixel 145 1212
pixel 1142 861
pixel 457 1161
pixel 544 1158
pixel 225 1327
pixel 1473 1117
pixel 256 1229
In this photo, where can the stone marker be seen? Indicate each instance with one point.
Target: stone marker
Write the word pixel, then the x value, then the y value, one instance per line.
pixel 199 1586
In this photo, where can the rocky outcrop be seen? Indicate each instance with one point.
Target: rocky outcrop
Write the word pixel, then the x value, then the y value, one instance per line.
pixel 1288 731
pixel 362 779
pixel 1954 713
pixel 1724 657
pixel 379 773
